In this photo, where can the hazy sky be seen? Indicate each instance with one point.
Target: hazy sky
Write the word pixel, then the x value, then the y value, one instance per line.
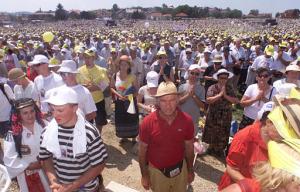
pixel 270 6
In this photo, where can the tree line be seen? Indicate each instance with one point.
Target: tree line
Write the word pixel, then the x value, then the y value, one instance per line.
pixel 62 14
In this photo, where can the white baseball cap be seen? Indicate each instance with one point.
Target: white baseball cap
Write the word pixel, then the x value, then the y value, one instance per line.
pixel 39 59
pixel 269 106
pixel 152 79
pixel 68 66
pixel 61 95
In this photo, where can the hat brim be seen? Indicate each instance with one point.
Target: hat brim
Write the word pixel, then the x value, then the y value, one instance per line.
pixel 292 112
pixel 65 70
pixel 230 75
pixel 217 61
pixel 164 94
pixel 24 75
pixel 57 102
pixel 34 63
pixel 269 53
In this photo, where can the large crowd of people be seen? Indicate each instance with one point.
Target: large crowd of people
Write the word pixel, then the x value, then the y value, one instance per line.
pixel 62 82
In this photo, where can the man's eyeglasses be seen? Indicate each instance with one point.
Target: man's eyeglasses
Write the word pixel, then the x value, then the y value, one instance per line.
pixel 195 73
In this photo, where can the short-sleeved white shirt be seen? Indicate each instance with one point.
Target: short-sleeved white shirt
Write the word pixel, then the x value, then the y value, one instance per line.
pixel 28 92
pixel 262 61
pixel 44 84
pixel 252 92
pixel 86 102
pixel 277 84
pixel 277 64
pixel 5 106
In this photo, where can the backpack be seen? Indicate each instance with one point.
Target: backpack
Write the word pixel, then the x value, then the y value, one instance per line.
pixel 4 92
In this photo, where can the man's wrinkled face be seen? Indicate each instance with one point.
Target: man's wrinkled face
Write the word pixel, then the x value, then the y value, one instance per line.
pixel 168 104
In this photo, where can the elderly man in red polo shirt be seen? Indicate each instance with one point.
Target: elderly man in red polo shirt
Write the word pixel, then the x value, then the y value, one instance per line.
pixel 166 144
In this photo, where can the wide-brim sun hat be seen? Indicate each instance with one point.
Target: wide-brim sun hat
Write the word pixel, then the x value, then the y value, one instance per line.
pixel 160 53
pixel 217 59
pixel 166 88
pixel 68 66
pixel 15 74
pixel 222 71
pixel 292 67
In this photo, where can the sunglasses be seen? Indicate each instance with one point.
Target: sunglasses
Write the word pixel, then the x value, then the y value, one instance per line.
pixel 161 57
pixel 195 73
pixel 263 76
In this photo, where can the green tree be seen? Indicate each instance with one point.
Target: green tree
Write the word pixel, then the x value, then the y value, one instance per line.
pixel 235 13
pixel 61 13
pixel 164 6
pixel 277 15
pixel 138 15
pixel 74 15
pixel 87 15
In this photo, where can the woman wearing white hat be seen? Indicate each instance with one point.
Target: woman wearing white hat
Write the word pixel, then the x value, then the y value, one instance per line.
pixel 147 93
pixel 292 76
pixel 192 95
pixel 220 97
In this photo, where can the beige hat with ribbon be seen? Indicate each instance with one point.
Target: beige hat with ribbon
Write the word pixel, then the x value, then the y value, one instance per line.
pixel 166 88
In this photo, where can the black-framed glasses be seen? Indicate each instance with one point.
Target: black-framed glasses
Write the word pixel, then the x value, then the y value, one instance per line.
pixel 195 73
pixel 263 76
pixel 161 57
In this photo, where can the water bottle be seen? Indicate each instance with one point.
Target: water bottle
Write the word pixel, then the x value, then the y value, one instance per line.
pixel 234 127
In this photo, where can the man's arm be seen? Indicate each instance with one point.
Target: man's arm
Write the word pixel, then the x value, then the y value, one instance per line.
pixel 90 116
pixel 143 165
pixel 48 168
pixel 234 173
pixel 90 174
pixel 189 157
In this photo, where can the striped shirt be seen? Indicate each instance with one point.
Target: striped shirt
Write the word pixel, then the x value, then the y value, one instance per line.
pixel 68 168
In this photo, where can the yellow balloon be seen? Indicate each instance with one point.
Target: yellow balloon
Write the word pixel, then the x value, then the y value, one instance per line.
pixel 48 37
